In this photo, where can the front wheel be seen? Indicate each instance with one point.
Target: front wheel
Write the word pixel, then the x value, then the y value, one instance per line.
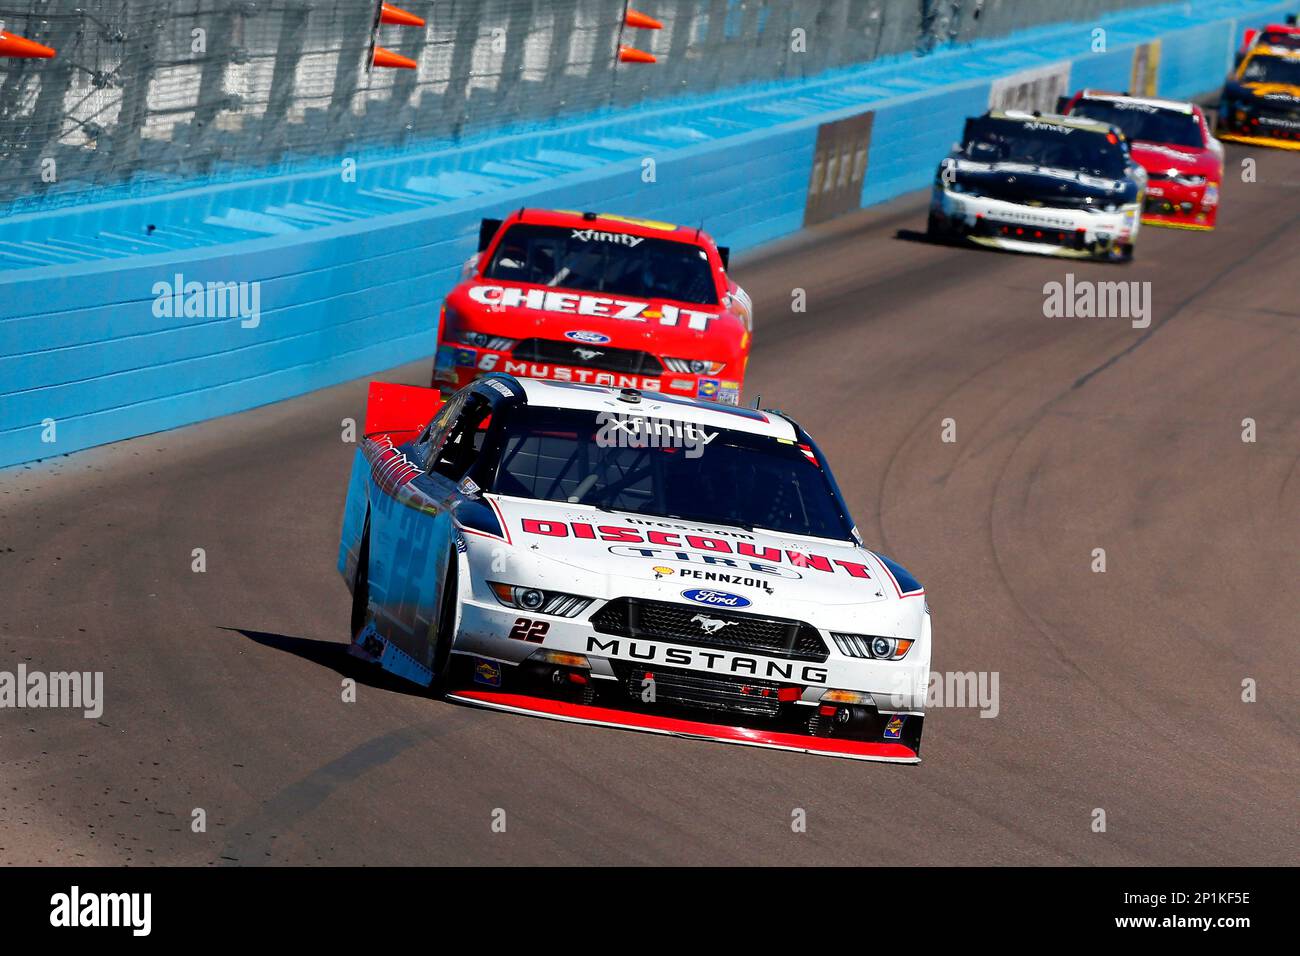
pixel 446 633
pixel 936 228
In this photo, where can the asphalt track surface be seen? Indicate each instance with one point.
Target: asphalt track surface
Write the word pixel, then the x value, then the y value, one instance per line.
pixel 1119 690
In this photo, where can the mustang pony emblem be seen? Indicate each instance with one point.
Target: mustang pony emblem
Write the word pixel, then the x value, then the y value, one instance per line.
pixel 587 354
pixel 710 625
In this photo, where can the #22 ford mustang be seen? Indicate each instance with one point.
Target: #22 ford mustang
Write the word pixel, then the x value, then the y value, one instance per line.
pixel 599 300
pixel 629 559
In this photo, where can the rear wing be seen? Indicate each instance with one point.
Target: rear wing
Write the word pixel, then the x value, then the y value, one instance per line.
pixel 399 411
pixel 487 228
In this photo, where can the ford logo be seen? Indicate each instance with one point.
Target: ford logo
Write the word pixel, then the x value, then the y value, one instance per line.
pixel 590 338
pixel 715 598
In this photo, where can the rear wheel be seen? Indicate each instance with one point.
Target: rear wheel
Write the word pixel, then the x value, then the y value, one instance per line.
pixel 361 584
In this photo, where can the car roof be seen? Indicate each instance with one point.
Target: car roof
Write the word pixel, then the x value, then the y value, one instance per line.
pixel 599 398
pixel 612 222
pixel 1163 104
pixel 1052 119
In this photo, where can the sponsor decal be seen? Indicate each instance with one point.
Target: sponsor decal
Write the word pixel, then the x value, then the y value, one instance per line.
pixel 580 303
pixel 711 625
pixel 468 486
pixel 711 543
pixel 583 376
pixel 716 598
pixel 588 338
pixel 661 569
pixel 466 357
pixel 724 577
pixel 487 672
pixel 618 430
pixel 708 387
pixel 699 658
pixel 705 560
pixel 596 235
pixel 894 729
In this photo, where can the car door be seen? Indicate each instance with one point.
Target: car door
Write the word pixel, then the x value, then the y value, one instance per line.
pixel 413 533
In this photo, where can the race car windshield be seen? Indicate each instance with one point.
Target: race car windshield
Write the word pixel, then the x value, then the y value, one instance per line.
pixel 1042 143
pixel 597 260
pixel 1287 41
pixel 1272 69
pixel 660 467
pixel 1141 121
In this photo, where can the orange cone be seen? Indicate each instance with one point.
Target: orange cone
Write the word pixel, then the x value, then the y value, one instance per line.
pixel 398 17
pixel 635 19
pixel 22 48
pixel 391 60
pixel 628 54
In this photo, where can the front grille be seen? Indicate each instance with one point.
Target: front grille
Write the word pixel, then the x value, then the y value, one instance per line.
pixel 665 685
pixel 582 355
pixel 1072 239
pixel 1163 207
pixel 686 623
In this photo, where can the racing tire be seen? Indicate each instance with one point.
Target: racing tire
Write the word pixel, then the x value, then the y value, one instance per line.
pixel 936 230
pixel 361 584
pixel 446 629
pixel 1124 254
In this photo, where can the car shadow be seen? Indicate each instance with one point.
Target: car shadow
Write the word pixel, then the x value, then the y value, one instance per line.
pixel 335 656
pixel 916 235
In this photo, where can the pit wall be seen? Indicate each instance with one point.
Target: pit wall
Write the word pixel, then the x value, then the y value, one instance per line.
pixel 347 271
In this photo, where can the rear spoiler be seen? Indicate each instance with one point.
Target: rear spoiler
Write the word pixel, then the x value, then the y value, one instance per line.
pixel 400 411
pixel 487 228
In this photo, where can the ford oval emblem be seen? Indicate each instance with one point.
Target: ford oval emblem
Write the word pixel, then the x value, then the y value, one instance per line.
pixel 715 598
pixel 589 338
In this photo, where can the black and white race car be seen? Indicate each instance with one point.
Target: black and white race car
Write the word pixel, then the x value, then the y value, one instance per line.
pixel 630 559
pixel 1052 185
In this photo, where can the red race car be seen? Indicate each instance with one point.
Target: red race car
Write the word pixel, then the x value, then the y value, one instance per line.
pixel 600 300
pixel 1172 141
pixel 1278 35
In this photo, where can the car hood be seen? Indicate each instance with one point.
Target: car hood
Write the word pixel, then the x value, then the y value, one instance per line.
pixel 1163 158
pixel 1024 182
pixel 520 311
pixel 604 554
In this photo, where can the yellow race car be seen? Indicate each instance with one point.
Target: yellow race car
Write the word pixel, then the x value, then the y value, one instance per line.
pixel 1261 100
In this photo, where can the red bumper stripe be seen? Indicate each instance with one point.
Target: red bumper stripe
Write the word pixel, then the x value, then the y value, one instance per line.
pixel 668 725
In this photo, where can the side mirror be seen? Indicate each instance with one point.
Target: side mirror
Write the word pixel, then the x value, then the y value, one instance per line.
pixel 724 253
pixel 487 228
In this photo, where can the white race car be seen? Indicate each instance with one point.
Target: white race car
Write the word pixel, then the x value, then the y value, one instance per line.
pixel 630 559
pixel 1052 185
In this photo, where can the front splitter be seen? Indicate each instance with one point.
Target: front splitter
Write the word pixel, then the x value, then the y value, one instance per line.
pixel 651 723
